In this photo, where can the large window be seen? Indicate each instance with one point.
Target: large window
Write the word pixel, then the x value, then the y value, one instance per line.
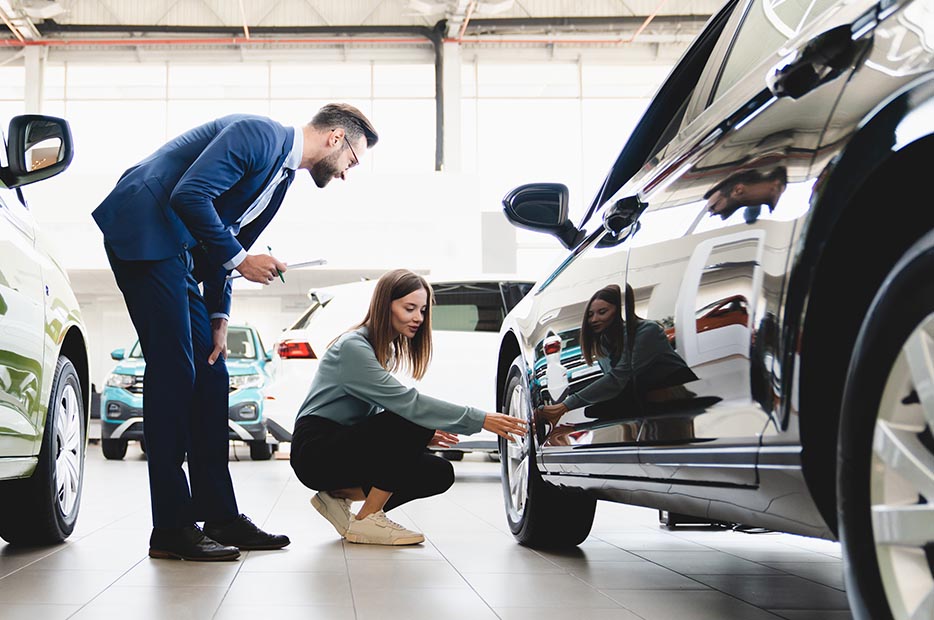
pixel 168 98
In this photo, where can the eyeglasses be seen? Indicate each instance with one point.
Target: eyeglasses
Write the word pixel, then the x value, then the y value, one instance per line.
pixel 356 160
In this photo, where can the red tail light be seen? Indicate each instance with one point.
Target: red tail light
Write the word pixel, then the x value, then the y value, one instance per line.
pixel 552 346
pixel 291 349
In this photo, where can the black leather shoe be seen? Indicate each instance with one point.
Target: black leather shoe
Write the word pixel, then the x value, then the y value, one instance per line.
pixel 188 543
pixel 242 533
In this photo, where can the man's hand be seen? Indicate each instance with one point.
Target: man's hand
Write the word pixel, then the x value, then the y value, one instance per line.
pixel 219 335
pixel 261 268
pixel 505 426
pixel 443 439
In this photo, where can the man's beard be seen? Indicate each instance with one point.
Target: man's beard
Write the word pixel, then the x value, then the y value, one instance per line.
pixel 323 171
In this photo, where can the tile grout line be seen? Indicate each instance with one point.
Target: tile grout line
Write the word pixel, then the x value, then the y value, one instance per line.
pixel 96 596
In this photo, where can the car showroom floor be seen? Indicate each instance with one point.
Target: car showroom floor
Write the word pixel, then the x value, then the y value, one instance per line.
pixel 469 567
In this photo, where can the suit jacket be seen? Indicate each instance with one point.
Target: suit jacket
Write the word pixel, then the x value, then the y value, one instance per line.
pixel 185 195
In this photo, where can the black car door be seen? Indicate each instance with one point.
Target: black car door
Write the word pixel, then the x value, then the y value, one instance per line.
pixel 709 260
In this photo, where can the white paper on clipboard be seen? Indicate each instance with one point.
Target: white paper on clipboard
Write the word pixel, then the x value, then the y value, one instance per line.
pixel 307 263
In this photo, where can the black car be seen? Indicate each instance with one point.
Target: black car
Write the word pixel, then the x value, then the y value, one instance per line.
pixel 769 238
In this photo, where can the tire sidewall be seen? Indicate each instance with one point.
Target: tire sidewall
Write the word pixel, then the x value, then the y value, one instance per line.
pixel 519 528
pixel 902 303
pixel 65 375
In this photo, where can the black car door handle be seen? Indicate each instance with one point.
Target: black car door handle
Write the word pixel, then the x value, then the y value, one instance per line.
pixel 822 59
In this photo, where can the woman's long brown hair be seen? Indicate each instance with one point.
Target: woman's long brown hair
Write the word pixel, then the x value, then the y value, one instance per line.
pixel 395 351
pixel 591 347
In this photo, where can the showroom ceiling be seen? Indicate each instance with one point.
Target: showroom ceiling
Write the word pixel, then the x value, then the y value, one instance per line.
pixel 465 19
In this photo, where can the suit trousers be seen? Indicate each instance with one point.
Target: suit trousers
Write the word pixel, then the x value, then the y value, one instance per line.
pixel 385 451
pixel 184 397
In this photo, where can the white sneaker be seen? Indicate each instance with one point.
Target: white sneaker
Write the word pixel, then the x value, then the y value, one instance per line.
pixel 377 529
pixel 334 509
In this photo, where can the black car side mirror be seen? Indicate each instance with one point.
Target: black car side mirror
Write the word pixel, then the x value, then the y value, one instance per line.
pixel 542 207
pixel 39 147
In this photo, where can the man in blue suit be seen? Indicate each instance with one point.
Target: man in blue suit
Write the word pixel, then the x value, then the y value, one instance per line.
pixel 185 215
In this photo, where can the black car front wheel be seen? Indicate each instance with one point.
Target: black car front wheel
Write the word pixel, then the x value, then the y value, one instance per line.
pixel 540 514
pixel 260 450
pixel 886 452
pixel 43 508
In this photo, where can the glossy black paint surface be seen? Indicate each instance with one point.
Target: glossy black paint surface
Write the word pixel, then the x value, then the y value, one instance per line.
pixel 786 122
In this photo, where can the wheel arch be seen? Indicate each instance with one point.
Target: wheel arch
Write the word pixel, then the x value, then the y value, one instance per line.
pixel 853 239
pixel 508 351
pixel 74 347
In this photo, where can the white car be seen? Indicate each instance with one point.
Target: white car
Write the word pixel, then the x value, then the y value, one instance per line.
pixel 466 319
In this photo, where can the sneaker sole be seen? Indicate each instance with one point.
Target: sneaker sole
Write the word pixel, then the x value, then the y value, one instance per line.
pixel 319 505
pixel 168 555
pixel 363 540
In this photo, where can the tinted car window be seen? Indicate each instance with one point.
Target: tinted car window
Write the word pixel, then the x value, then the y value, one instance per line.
pixel 240 344
pixel 767 25
pixel 471 307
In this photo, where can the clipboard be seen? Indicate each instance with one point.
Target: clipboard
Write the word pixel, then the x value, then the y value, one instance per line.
pixel 307 263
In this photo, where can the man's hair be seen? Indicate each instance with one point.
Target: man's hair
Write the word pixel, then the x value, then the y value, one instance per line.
pixel 747 177
pixel 352 120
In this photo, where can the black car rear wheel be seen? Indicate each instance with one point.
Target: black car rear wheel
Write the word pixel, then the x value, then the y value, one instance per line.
pixel 260 450
pixel 886 451
pixel 114 449
pixel 539 514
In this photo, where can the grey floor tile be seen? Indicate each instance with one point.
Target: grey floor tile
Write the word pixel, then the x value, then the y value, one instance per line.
pixel 420 604
pixel 292 612
pixel 777 591
pixel 145 603
pixel 38 612
pixel 633 576
pixel 537 590
pixel 164 573
pixel 510 558
pixel 651 542
pixel 828 574
pixel 312 589
pixel 380 574
pixel 551 613
pixel 62 587
pixel 706 563
pixel 824 614
pixel 591 550
pixel 327 558
pixel 687 605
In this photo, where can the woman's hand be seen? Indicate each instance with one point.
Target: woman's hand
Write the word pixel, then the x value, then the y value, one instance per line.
pixel 552 413
pixel 505 426
pixel 443 439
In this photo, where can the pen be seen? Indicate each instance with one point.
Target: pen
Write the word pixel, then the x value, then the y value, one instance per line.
pixel 281 277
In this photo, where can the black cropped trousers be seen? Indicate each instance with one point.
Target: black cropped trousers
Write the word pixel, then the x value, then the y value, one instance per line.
pixel 385 451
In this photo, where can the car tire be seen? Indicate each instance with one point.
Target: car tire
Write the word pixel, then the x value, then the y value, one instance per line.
pixel 540 515
pixel 43 508
pixel 114 449
pixel 260 451
pixel 885 469
pixel 453 455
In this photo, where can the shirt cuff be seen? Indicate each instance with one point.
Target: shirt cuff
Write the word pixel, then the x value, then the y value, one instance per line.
pixel 235 261
pixel 220 315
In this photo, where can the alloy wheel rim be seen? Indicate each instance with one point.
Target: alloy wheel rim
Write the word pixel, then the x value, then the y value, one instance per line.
pixel 67 444
pixel 517 457
pixel 902 478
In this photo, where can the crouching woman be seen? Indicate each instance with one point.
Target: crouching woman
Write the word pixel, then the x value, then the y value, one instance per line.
pixel 361 434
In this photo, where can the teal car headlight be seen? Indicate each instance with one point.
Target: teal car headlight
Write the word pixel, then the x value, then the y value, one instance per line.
pixel 120 381
pixel 239 382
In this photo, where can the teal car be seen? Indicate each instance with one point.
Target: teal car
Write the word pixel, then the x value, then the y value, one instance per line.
pixel 122 399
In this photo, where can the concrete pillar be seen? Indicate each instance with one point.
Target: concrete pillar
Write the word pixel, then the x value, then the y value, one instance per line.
pixel 452 106
pixel 34 62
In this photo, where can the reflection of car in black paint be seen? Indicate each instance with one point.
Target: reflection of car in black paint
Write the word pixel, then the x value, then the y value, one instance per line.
pixel 812 408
